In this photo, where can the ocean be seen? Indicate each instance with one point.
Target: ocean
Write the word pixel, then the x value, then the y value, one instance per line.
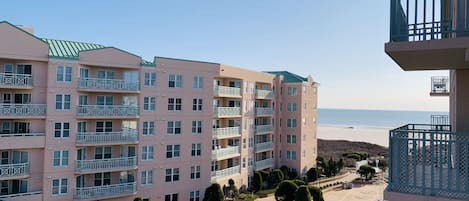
pixel 373 118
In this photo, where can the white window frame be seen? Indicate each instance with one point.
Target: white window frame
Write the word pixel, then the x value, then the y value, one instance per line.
pixel 173 174
pixel 61 157
pixel 149 79
pixel 292 91
pixel 196 150
pixel 65 75
pixel 149 103
pixel 173 151
pixel 197 104
pixel 147 153
pixel 291 139
pixel 148 128
pixel 62 130
pixel 198 82
pixel 195 172
pixel 173 127
pixel 194 195
pixel 146 177
pixel 196 127
pixel 61 188
pixel 174 104
pixel 291 155
pixel 175 81
pixel 62 100
pixel 291 107
pixel 291 123
pixel 172 197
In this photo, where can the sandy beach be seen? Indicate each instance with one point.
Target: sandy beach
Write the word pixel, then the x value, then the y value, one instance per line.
pixel 379 136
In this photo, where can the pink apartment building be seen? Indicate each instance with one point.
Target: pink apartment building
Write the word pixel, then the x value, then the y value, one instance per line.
pixel 82 121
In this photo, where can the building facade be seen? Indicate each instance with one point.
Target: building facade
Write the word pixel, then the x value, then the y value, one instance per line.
pixel 82 121
pixel 431 162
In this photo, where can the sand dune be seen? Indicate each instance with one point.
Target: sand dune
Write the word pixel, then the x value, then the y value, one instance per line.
pixel 379 136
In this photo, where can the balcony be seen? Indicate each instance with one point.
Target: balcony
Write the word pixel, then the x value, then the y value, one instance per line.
pixel 264 111
pixel 14 171
pixel 225 172
pixel 227 132
pixel 264 94
pixel 264 146
pixel 29 196
pixel 222 91
pixel 22 140
pixel 440 86
pixel 439 120
pixel 228 152
pixel 425 35
pixel 107 111
pixel 16 81
pixel 260 129
pixel 129 136
pixel 227 111
pixel 22 110
pixel 264 164
pixel 105 85
pixel 107 164
pixel 106 191
pixel 429 160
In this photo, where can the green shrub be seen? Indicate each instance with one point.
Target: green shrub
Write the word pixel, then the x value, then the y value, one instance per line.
pixel 286 190
pixel 316 193
pixel 257 182
pixel 302 194
pixel 213 193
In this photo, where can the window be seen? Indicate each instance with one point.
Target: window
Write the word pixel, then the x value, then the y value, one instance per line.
pixel 196 148
pixel 175 81
pixel 195 172
pixel 174 104
pixel 197 104
pixel 171 197
pixel 62 102
pixel 174 128
pixel 173 151
pixel 146 177
pixel 60 158
pixel 148 128
pixel 194 196
pixel 291 107
pixel 62 130
pixel 291 155
pixel 149 103
pixel 59 186
pixel 102 179
pixel 64 74
pixel 291 139
pixel 149 79
pixel 250 161
pixel 147 152
pixel 292 91
pixel 291 123
pixel 244 162
pixel 102 152
pixel 172 174
pixel 196 127
pixel 198 82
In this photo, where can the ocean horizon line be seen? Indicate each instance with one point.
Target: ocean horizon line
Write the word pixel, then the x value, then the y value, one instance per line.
pixel 384 110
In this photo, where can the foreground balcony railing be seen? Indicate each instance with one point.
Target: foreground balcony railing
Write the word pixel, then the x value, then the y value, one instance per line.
pixel 264 146
pixel 15 80
pixel 226 132
pixel 263 164
pixel 429 160
pixel 14 170
pixel 227 91
pixel 107 110
pixel 226 172
pixel 227 111
pixel 113 190
pixel 21 110
pixel 107 84
pixel 440 86
pixel 264 94
pixel 105 164
pixel 224 152
pixel 37 195
pixel 439 120
pixel 93 138
pixel 264 129
pixel 264 111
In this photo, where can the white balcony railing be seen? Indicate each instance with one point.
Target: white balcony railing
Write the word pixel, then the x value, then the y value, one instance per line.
pixel 263 164
pixel 21 134
pixel 105 191
pixel 16 80
pixel 227 111
pixel 226 172
pixel 264 111
pixel 223 152
pixel 107 110
pixel 226 132
pixel 264 146
pixel 107 84
pixel 22 109
pixel 264 94
pixel 14 170
pixel 105 164
pixel 127 136
pixel 227 91
pixel 264 128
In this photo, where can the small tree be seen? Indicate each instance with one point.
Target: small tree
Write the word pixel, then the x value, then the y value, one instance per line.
pixel 316 193
pixel 312 174
pixel 285 172
pixel 257 181
pixel 275 177
pixel 213 193
pixel 231 192
pixel 366 171
pixel 340 164
pixel 286 191
pixel 302 194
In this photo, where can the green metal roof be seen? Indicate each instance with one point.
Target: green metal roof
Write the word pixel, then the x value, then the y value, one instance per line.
pixel 289 77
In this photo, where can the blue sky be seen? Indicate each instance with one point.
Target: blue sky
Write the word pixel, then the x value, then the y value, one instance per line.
pixel 340 43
